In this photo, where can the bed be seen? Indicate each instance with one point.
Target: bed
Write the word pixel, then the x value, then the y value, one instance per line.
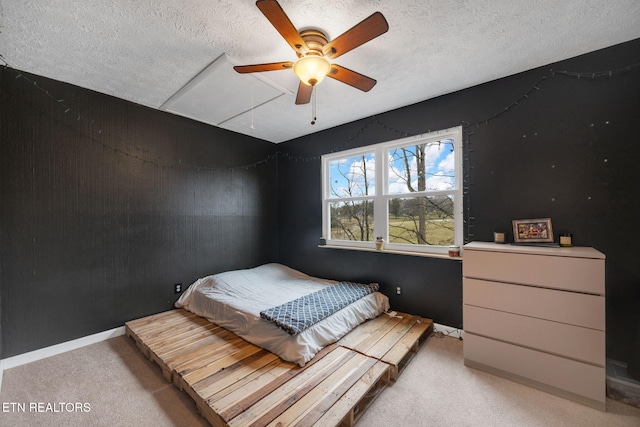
pixel 235 300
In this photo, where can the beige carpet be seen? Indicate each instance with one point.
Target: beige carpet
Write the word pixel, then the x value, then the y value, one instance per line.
pixel 113 384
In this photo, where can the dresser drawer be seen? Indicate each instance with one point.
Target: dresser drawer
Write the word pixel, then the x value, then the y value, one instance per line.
pixel 559 306
pixel 584 344
pixel 579 381
pixel 559 272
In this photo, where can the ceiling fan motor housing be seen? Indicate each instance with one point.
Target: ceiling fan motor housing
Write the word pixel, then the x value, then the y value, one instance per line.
pixel 315 40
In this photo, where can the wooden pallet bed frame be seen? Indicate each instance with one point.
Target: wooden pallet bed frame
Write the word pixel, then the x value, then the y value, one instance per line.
pixel 235 383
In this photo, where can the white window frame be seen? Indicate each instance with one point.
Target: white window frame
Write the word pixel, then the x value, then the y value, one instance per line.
pixel 381 197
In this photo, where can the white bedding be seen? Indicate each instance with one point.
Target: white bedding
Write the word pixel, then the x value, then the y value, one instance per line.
pixel 234 300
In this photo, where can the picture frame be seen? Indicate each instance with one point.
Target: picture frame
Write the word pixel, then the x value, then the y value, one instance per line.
pixel 532 230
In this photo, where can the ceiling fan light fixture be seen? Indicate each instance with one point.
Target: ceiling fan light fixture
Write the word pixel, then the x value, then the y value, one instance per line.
pixel 311 69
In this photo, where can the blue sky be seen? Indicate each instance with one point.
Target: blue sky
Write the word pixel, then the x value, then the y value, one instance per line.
pixel 348 175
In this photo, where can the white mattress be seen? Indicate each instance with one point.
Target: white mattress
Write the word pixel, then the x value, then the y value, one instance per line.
pixel 235 299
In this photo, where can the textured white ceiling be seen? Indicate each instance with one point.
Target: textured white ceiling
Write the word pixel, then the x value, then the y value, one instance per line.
pixel 146 50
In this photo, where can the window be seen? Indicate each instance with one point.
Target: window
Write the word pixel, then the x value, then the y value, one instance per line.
pixel 406 191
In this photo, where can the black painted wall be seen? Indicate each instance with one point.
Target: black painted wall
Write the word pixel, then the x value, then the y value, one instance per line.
pixel 569 150
pixel 105 206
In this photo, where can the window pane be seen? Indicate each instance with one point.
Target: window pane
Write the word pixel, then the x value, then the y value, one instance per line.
pixel 422 167
pixel 421 220
pixel 352 176
pixel 352 220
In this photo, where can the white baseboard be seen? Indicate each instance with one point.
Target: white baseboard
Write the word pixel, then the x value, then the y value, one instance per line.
pixel 43 353
pixel 448 331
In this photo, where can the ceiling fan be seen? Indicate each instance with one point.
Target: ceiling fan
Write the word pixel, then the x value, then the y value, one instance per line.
pixel 314 51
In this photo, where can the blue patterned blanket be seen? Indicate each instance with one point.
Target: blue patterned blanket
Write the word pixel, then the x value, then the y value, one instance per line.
pixel 297 315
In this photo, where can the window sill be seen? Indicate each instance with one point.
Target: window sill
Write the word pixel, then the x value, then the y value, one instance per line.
pixel 420 254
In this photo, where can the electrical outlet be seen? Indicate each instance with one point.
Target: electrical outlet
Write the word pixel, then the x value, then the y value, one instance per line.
pixel 177 288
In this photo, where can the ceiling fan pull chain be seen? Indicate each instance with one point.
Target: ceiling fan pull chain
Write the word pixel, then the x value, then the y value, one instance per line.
pixel 313 105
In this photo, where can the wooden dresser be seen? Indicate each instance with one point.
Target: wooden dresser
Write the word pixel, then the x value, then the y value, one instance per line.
pixel 536 315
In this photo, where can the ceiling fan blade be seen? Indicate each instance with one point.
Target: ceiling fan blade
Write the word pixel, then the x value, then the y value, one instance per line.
pixel 357 80
pixel 304 94
pixel 275 14
pixel 359 34
pixel 256 68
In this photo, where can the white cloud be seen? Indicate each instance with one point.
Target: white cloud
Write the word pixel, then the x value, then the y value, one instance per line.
pixel 448 163
pixel 440 182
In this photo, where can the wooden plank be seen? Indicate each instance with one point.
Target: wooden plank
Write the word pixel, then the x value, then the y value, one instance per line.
pixel 136 339
pixel 315 392
pixel 408 341
pixel 373 336
pixel 316 403
pixel 277 401
pixel 185 339
pixel 204 355
pixel 161 322
pixel 161 349
pixel 280 375
pixel 384 343
pixel 364 330
pixel 231 374
pixel 194 374
pixel 168 334
pixel 199 344
pixel 232 400
pixel 165 318
pixel 357 399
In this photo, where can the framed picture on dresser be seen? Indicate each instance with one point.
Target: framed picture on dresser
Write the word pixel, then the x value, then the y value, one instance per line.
pixel 532 230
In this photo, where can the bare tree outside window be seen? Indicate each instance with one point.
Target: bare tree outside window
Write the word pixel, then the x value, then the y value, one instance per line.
pixel 352 178
pixel 422 220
